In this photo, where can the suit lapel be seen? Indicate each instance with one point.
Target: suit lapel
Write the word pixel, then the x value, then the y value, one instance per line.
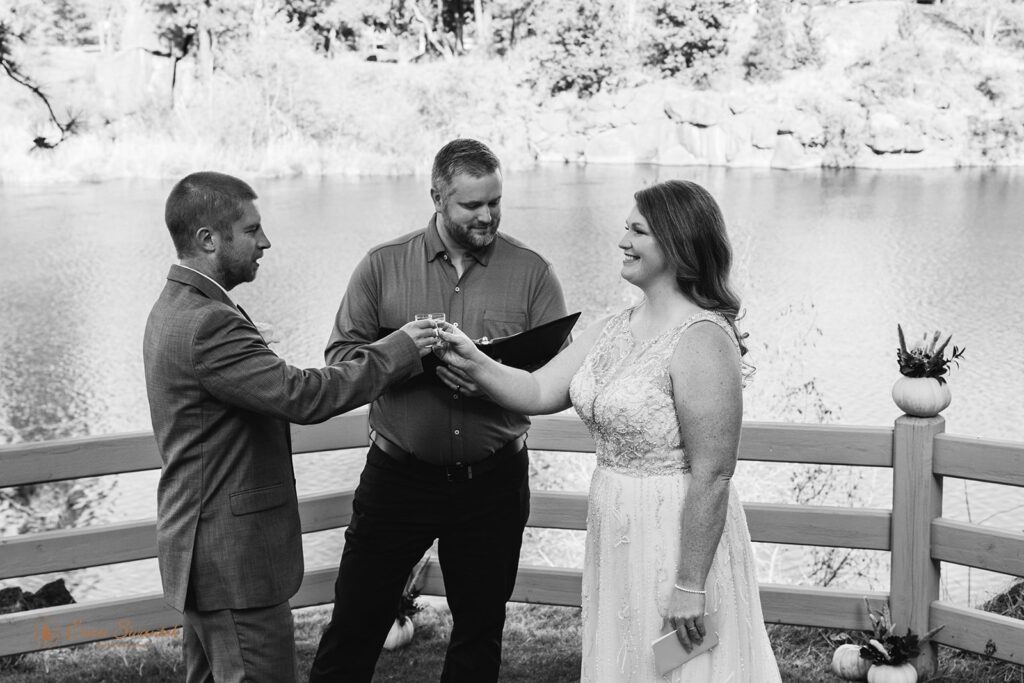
pixel 187 276
pixel 204 284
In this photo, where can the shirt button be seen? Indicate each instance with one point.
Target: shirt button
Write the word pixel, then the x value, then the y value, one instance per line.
pixel 445 257
pixel 457 432
pixel 455 396
pixel 457 289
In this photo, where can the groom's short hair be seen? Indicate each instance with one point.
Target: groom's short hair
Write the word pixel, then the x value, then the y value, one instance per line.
pixel 204 199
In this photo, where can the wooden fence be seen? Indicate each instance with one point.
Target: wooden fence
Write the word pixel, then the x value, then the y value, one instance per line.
pixel 913 530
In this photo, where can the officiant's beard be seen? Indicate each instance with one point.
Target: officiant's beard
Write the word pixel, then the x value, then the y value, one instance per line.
pixel 473 235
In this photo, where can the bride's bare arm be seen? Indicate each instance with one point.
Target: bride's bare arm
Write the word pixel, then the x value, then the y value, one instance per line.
pixel 538 393
pixel 707 389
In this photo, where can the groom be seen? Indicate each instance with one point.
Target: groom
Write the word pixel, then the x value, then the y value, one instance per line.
pixel 228 534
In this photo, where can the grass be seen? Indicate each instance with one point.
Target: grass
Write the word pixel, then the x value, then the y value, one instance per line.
pixel 541 645
pixel 538 638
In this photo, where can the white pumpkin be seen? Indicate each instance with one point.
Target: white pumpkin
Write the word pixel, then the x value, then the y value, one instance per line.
pixel 921 396
pixel 848 664
pixel 400 634
pixel 887 673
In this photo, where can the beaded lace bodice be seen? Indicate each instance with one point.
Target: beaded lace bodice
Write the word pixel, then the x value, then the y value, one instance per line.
pixel 623 393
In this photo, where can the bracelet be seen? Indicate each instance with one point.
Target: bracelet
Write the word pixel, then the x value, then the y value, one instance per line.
pixel 689 590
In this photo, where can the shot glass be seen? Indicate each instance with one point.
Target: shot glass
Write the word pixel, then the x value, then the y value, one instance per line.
pixel 438 318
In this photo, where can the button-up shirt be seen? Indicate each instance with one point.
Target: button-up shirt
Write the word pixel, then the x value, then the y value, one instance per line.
pixel 505 288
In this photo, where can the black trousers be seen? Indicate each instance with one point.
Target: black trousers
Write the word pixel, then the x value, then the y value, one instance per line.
pixel 397 513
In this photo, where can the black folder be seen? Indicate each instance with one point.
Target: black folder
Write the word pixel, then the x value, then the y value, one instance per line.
pixel 527 350
pixel 531 348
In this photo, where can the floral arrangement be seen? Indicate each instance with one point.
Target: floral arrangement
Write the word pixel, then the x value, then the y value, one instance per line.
pixel 888 648
pixel 402 629
pixel 926 358
pixel 408 606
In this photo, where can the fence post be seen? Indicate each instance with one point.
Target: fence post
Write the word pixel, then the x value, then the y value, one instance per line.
pixel 916 501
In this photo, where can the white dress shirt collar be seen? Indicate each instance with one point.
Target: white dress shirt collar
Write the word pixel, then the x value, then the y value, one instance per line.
pixel 211 280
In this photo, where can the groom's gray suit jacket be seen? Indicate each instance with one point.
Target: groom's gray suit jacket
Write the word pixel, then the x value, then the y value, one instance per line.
pixel 221 401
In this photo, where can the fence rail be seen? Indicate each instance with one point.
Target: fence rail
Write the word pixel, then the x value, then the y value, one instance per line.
pixel 913 530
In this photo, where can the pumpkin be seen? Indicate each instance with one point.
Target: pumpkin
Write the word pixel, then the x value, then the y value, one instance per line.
pixel 887 673
pixel 848 664
pixel 400 634
pixel 921 396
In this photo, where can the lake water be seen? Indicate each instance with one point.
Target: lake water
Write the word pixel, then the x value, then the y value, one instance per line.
pixel 827 264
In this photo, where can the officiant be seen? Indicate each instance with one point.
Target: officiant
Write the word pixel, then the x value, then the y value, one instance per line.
pixel 445 463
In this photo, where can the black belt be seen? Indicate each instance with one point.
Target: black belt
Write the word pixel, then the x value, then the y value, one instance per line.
pixel 460 471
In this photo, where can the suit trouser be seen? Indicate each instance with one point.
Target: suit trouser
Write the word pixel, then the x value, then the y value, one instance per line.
pixel 236 645
pixel 397 512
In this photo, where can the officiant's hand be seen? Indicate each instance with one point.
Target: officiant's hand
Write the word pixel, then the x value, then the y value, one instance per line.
pixel 459 382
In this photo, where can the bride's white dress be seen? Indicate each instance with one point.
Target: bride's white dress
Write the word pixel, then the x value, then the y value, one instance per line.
pixel 623 392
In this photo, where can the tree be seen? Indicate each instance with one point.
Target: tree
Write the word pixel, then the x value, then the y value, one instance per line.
pixel 482 16
pixel 510 22
pixel 766 58
pixel 55 22
pixel 7 38
pixel 582 47
pixel 348 21
pixel 990 23
pixel 688 35
pixel 199 27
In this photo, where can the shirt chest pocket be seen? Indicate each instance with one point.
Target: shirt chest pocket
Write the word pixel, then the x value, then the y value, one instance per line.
pixel 503 323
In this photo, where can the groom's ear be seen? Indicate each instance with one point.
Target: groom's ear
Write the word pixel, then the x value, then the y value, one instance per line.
pixel 205 240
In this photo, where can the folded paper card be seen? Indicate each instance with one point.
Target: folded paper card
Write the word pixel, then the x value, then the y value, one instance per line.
pixel 669 653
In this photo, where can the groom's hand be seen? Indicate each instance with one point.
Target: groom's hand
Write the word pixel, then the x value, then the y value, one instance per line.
pixel 423 333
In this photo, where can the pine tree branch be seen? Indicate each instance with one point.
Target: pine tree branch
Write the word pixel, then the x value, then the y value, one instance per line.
pixel 15 74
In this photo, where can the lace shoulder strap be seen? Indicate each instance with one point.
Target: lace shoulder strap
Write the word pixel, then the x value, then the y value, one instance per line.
pixel 746 369
pixel 711 317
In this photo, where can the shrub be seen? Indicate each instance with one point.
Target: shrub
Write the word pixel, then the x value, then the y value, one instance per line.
pixel 577 48
pixel 997 139
pixel 990 23
pixel 687 35
pixel 775 50
pixel 512 21
pixel 806 48
pixel 844 126
pixel 766 59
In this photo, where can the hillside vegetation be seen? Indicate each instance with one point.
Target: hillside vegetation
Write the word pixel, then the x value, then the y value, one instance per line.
pixel 104 89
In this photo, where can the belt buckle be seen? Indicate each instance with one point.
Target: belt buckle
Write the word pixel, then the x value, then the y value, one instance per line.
pixel 459 472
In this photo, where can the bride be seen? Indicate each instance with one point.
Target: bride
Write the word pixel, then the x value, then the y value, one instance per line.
pixel 659 386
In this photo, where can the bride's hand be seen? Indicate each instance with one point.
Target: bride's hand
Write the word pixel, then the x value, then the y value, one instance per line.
pixel 686 614
pixel 458 350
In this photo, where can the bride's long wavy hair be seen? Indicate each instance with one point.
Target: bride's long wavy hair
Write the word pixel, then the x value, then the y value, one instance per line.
pixel 688 227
